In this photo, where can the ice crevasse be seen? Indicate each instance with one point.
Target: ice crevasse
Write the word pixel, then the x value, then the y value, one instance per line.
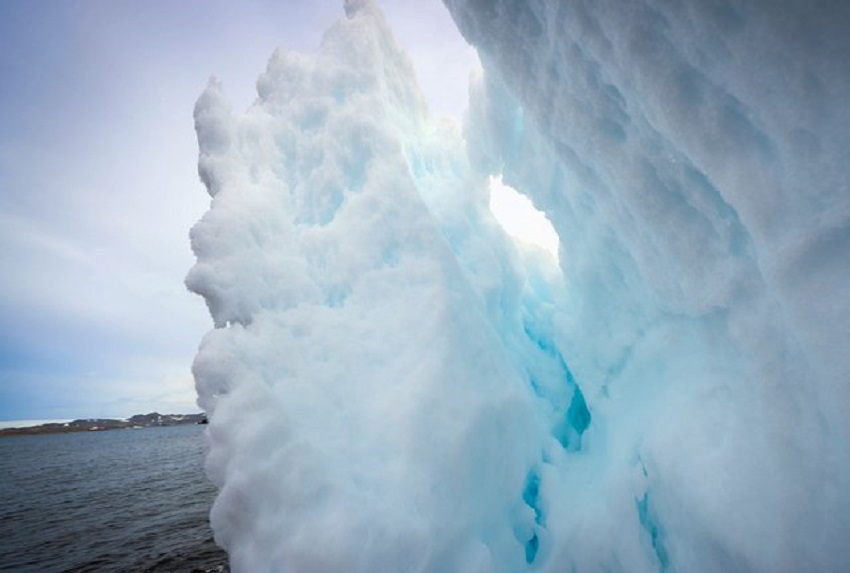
pixel 394 385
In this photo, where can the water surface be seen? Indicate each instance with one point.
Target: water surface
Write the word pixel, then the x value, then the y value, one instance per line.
pixel 122 500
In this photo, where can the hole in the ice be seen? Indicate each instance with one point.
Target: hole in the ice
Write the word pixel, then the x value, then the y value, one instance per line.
pixel 531 497
pixel 520 219
pixel 576 421
pixel 531 548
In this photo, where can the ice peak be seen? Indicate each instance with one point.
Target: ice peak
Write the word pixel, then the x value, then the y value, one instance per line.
pixel 355 7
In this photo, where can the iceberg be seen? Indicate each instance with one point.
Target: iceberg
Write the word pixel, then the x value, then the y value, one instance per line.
pixel 394 384
pixel 688 157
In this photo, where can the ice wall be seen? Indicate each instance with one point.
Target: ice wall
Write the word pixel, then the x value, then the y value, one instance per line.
pixel 393 385
pixel 691 158
pixel 380 381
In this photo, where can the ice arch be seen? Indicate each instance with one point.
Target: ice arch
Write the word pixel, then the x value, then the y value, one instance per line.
pixel 392 385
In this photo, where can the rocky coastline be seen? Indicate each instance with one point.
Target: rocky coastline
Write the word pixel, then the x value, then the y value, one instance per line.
pixel 154 419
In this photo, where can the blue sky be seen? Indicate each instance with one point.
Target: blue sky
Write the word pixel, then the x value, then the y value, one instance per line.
pixel 98 181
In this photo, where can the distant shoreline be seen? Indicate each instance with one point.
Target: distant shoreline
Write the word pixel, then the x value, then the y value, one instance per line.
pixel 154 419
pixel 4 424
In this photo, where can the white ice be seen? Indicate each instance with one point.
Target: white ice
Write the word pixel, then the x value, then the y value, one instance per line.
pixel 394 384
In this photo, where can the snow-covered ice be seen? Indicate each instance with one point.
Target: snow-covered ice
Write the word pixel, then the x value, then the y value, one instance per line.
pixel 394 384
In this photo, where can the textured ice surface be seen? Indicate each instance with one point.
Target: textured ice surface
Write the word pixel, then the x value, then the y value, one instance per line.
pixel 690 157
pixel 394 385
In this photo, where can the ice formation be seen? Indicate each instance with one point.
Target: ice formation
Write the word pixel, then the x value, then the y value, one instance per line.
pixel 394 385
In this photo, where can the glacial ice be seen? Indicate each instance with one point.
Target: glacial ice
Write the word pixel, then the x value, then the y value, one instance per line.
pixel 394 384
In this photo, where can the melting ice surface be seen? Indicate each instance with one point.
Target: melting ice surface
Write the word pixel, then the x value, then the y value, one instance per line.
pixel 394 385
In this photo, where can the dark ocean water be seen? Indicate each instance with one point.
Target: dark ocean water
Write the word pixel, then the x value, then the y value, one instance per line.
pixel 122 500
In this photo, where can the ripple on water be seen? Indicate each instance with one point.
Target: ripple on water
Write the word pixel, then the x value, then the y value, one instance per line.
pixel 113 501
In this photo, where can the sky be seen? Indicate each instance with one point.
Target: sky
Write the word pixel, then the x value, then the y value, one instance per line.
pixel 99 184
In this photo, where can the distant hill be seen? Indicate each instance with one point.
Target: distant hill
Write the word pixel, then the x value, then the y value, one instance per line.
pixel 102 424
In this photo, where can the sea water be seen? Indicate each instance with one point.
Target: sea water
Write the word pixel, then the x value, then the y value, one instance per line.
pixel 121 500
